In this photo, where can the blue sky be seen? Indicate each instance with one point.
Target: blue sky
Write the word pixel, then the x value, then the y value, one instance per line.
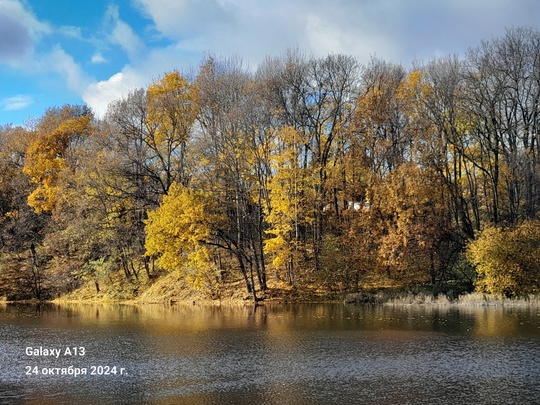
pixel 66 51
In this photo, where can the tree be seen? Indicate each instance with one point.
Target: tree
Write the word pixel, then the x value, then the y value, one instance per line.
pixel 443 105
pixel 47 158
pixel 503 88
pixel 172 110
pixel 288 209
pixel 48 155
pixel 21 228
pixel 379 118
pixel 142 151
pixel 412 206
pixel 233 147
pixel 149 133
pixel 180 230
pixel 507 260
pixel 316 97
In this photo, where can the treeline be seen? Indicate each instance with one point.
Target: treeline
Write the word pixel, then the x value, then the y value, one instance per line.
pixel 317 172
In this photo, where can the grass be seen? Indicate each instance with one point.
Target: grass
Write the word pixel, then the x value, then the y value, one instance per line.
pixel 480 299
pixel 172 288
pixel 473 299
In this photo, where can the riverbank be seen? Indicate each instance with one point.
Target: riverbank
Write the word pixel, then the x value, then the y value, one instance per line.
pixel 352 299
pixel 393 298
pixel 275 295
pixel 172 289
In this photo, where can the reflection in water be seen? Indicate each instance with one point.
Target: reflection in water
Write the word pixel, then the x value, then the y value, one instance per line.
pixel 276 354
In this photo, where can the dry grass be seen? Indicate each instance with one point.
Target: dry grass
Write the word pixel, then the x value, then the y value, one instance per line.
pixel 474 299
pixel 419 299
pixel 480 299
pixel 172 288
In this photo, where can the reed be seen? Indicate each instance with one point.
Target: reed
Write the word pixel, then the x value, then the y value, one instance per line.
pixel 474 299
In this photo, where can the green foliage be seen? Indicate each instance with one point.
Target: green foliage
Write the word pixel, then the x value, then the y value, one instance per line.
pixel 507 259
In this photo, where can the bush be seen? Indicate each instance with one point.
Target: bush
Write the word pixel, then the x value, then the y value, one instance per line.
pixel 338 271
pixel 507 260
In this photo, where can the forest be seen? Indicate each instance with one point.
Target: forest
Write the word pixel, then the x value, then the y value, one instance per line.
pixel 305 173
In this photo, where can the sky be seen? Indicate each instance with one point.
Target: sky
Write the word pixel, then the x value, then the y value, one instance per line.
pixel 72 52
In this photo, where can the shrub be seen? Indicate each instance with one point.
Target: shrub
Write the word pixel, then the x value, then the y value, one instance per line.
pixel 507 260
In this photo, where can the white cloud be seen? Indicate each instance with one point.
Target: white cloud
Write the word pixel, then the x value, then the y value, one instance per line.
pixel 18 102
pixel 99 95
pixel 394 30
pixel 251 29
pixel 185 19
pixel 98 58
pixel 122 34
pixel 329 36
pixel 60 62
pixel 256 29
pixel 70 31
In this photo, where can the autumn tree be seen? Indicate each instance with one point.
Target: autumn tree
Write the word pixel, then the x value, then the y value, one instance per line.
pixel 172 110
pixel 411 203
pixel 84 239
pixel 315 97
pixel 20 225
pixel 149 133
pixel 379 118
pixel 288 209
pixel 443 106
pixel 47 161
pixel 48 155
pixel 507 260
pixel 233 147
pixel 502 101
pixel 21 228
pixel 179 233
pixel 144 140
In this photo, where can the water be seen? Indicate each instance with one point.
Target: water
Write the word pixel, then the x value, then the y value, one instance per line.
pixel 298 354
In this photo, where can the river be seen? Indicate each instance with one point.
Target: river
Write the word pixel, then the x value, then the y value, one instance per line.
pixel 274 354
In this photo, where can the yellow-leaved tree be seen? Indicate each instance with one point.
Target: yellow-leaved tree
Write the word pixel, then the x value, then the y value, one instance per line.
pixel 289 214
pixel 507 260
pixel 47 156
pixel 178 233
pixel 172 110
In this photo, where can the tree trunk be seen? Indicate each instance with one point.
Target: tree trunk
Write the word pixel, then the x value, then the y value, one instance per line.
pixel 36 273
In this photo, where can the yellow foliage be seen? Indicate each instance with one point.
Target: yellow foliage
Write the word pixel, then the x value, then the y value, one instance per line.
pixel 172 108
pixel 43 198
pixel 288 191
pixel 412 86
pixel 178 229
pixel 46 159
pixel 507 260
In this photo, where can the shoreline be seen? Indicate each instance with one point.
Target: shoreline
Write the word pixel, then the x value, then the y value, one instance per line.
pixel 474 299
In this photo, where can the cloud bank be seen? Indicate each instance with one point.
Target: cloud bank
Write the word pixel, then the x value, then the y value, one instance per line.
pixel 139 40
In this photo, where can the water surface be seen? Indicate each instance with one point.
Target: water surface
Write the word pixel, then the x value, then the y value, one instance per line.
pixel 287 354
